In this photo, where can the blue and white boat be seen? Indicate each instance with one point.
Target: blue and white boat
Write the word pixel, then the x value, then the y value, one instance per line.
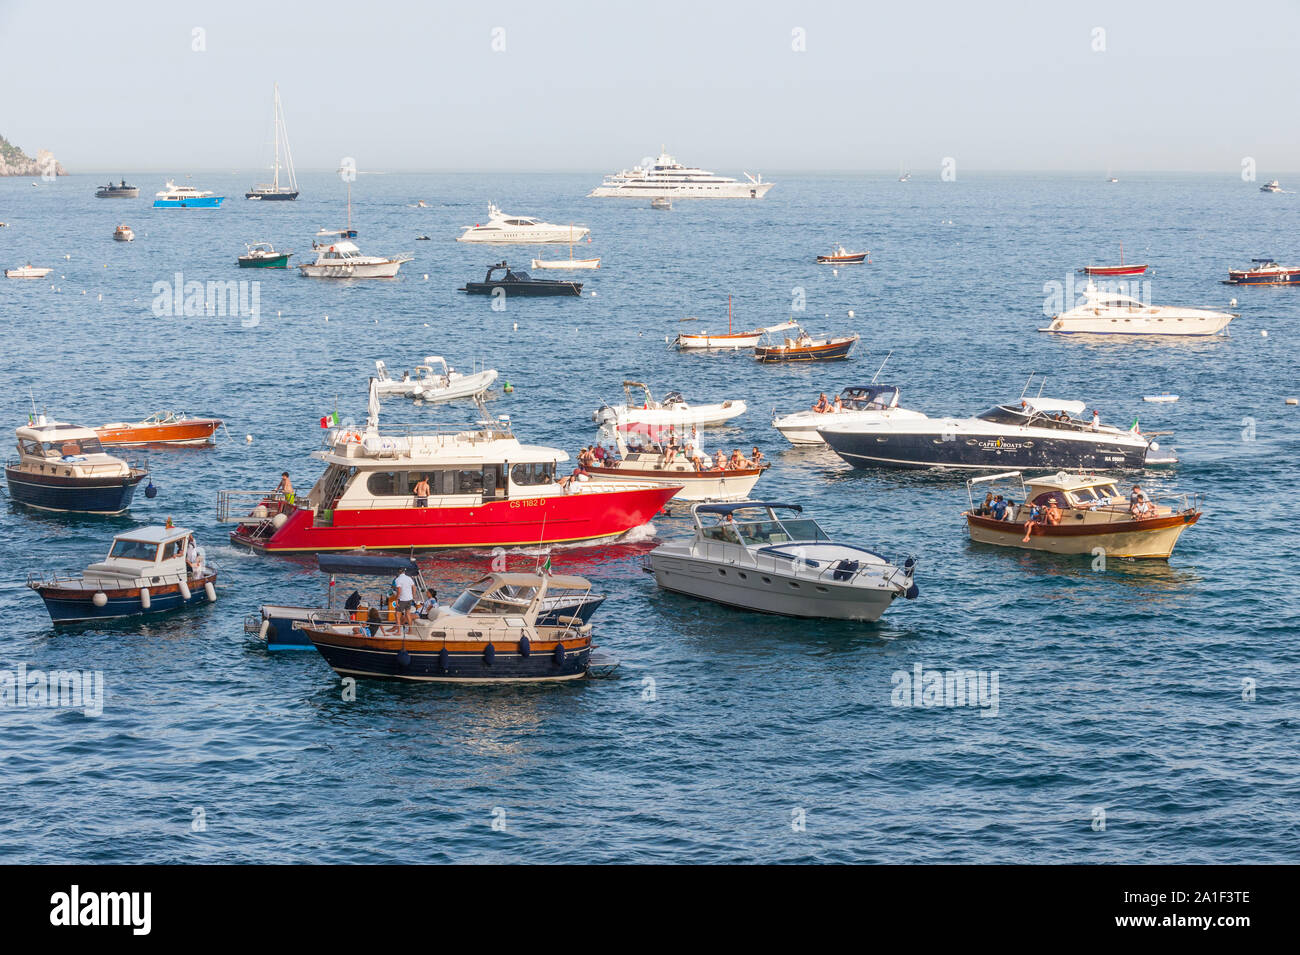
pixel 186 197
pixel 282 626
pixel 145 572
pixel 63 467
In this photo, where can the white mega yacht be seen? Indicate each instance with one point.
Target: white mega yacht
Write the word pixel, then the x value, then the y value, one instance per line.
pixel 666 178
pixel 505 229
pixel 1109 313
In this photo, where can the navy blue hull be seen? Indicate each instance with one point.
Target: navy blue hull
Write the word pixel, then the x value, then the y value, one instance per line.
pixel 81 610
pixel 464 667
pixel 918 451
pixel 285 634
pixel 77 495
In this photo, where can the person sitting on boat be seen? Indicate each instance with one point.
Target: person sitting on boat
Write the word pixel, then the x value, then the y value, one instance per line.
pixel 837 405
pixel 1035 517
pixel 670 451
pixel 422 491
pixel 1135 499
pixel 429 608
pixel 577 475
pixel 719 461
pixel 987 506
pixel 599 453
pixel 998 508
pixel 823 404
pixel 804 338
pixel 757 457
pixel 284 490
pixel 736 462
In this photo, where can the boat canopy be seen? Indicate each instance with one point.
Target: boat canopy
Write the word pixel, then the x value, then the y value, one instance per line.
pixel 742 505
pixel 376 565
pixel 154 534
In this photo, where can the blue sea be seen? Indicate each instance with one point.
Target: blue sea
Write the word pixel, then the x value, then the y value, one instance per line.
pixel 1145 712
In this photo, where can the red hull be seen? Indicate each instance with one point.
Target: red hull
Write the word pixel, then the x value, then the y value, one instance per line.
pixel 1115 269
pixel 517 522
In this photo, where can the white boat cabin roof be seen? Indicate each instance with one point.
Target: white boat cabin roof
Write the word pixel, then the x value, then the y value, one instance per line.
pixel 468 447
pixel 154 534
pixel 55 431
pixel 1068 482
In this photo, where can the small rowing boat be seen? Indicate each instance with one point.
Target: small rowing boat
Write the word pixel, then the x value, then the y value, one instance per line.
pixel 1121 269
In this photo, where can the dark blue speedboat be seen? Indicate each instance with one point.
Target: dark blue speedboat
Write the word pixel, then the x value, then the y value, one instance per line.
pixel 63 467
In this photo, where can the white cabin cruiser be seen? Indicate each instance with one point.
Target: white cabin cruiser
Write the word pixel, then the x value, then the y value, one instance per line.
pixel 339 258
pixel 1032 434
pixel 503 229
pixel 756 559
pixel 1109 313
pixel 666 178
pixel 856 403
pixel 27 271
pixel 433 381
pixel 672 412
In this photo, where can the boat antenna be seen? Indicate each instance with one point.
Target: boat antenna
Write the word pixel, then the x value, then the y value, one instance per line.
pixel 881 368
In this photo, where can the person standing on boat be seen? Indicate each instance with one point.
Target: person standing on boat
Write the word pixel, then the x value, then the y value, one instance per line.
pixel 422 491
pixel 285 488
pixel 1096 419
pixel 192 558
pixel 405 588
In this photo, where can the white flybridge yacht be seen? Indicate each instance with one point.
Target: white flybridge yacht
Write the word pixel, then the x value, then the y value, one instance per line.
pixel 503 229
pixel 666 178
pixel 1109 313
pixel 337 257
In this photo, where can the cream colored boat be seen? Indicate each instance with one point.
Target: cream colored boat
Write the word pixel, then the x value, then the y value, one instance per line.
pixel 1094 518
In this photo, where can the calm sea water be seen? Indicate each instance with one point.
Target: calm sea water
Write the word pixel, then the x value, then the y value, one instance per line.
pixel 1120 691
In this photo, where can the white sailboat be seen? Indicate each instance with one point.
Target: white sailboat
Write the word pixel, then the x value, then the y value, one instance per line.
pixel 273 190
pixel 570 262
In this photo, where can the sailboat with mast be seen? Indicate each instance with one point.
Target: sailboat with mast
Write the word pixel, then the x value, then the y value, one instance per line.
pixel 570 262
pixel 273 190
pixel 731 340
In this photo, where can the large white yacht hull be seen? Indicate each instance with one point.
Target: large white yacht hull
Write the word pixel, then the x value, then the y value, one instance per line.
pixel 722 190
pixel 374 270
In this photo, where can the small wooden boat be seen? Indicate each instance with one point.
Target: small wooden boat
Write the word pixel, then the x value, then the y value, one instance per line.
pixel 519 283
pixel 1121 269
pixel 842 256
pixel 162 427
pixel 491 634
pixel 123 233
pixel 145 572
pixel 804 347
pixel 262 255
pixel 569 263
pixel 63 467
pixel 1090 514
pixel 702 341
pixel 27 271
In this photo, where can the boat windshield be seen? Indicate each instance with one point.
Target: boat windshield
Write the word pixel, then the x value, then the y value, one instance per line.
pixel 478 600
pixel 134 550
pixel 66 448
pixel 765 533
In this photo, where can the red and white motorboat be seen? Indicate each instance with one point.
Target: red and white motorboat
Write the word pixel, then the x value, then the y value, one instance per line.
pixel 163 427
pixel 486 490
pixel 1121 269
pixel 842 256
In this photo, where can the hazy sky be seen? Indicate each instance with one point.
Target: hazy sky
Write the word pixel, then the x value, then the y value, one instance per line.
pixel 401 84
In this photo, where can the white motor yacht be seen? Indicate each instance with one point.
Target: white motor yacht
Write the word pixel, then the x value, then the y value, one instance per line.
pixel 27 271
pixel 856 403
pixel 666 178
pixel 672 412
pixel 503 229
pixel 755 558
pixel 339 258
pixel 1109 313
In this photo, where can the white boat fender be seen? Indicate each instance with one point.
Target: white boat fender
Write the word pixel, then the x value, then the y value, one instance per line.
pixel 264 629
pixel 210 591
pixel 144 598
pixel 278 521
pixel 185 591
pixel 525 646
pixel 559 654
pixel 100 599
pixel 489 654
pixel 444 660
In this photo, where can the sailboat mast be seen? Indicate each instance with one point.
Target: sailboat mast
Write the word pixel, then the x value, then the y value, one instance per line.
pixel 275 176
pixel 728 314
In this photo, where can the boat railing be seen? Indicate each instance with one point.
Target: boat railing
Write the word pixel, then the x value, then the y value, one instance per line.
pixel 894 570
pixel 1115 510
pixel 250 507
pixel 111 467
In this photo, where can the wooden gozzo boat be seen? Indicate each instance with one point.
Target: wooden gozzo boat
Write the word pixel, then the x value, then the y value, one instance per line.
pixel 804 347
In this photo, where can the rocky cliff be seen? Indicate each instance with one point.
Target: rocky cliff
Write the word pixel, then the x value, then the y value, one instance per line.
pixel 13 162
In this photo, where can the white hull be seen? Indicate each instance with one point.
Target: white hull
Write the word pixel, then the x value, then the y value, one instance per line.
pixel 27 273
pixel 566 264
pixel 461 386
pixel 726 190
pixel 801 426
pixel 700 415
pixel 557 236
pixel 1174 325
pixel 386 269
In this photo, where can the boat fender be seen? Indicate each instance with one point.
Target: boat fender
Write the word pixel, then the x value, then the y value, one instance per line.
pixel 264 631
pixel 559 654
pixel 911 592
pixel 444 660
pixel 278 521
pixel 100 599
pixel 525 646
pixel 403 658
pixel 909 566
pixel 185 591
pixel 489 654
pixel 144 598
pixel 150 491
pixel 210 591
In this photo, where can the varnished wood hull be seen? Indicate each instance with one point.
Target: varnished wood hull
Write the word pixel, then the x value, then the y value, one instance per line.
pixel 1152 539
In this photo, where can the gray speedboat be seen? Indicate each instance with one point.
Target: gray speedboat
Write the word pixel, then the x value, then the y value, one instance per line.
pixel 756 559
